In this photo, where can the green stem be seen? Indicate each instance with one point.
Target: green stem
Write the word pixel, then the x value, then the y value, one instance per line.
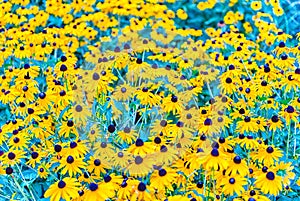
pixel 209 90
pixel 204 188
pixel 288 142
pixel 19 187
pixel 273 134
pixel 295 142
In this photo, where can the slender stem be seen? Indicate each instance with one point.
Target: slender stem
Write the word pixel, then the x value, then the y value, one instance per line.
pixel 144 120
pixel 196 104
pixel 246 70
pixel 295 141
pixel 273 134
pixel 204 188
pixel 209 90
pixel 120 76
pixel 288 142
pixel 248 163
pixel 4 197
pixel 19 187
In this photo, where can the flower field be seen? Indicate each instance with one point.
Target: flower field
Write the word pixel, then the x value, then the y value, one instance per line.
pixel 149 100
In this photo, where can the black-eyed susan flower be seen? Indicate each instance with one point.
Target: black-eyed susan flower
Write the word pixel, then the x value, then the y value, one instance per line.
pixel 289 114
pixel 256 5
pixel 146 97
pixel 215 159
pixel 142 192
pixel 66 188
pixel 123 92
pixel 120 159
pixel 267 154
pixel 97 165
pixel 275 123
pixel 43 170
pixel 233 184
pixel 95 192
pixel 172 104
pixel 71 165
pixel 139 166
pixel 269 183
pixel 140 147
pixel 13 157
pixel 163 178
pixel 75 148
pixel 237 166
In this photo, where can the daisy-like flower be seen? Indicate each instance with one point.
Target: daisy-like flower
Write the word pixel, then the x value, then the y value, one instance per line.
pixel 284 62
pixel 128 135
pixel 172 104
pixel 123 92
pixel 285 171
pixel 67 188
pixel 75 148
pixel 296 102
pixel 233 184
pixel 215 160
pixel 146 97
pixel 140 166
pixel 80 113
pixel 190 117
pixel 256 5
pixel 43 170
pixel 13 157
pixel 275 123
pixel 269 183
pixel 249 142
pixel 125 190
pixel 120 159
pixel 45 99
pixel 289 82
pixel 19 142
pixel 248 124
pixel 142 192
pixel 67 128
pixel 289 114
pixel 255 194
pixel 165 155
pixel 237 166
pixel 71 165
pixel 161 127
pixel 36 158
pixel 104 149
pixel 97 165
pixel 267 155
pixel 228 85
pixel 96 192
pixel 163 178
pixel 140 147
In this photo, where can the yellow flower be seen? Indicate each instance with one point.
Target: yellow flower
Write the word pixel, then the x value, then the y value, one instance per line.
pixel 233 184
pixel 172 104
pixel 230 18
pixel 181 14
pixel 163 178
pixel 256 5
pixel 267 155
pixel 269 183
pixel 71 165
pixel 278 11
pixel 66 188
pixel 140 166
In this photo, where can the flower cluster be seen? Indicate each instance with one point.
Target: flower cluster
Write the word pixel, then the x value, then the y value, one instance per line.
pixel 133 100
